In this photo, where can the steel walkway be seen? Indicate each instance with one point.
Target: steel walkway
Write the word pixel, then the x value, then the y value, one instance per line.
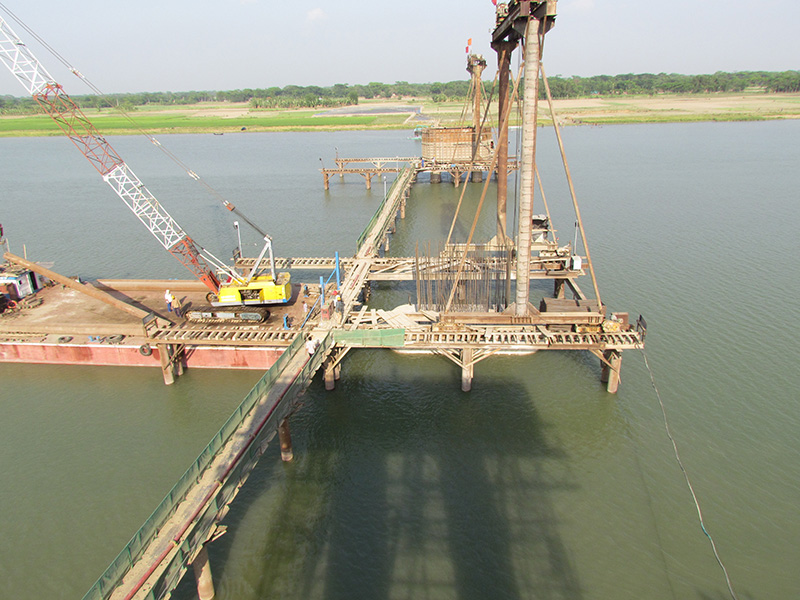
pixel 522 339
pixel 154 561
pixel 244 335
pixel 158 555
pixel 402 268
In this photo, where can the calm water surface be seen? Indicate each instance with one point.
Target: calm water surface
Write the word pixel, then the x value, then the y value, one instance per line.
pixel 537 484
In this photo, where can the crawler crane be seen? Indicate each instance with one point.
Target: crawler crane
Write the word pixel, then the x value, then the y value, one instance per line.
pixel 234 296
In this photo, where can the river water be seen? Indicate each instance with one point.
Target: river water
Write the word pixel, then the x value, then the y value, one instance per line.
pixel 537 484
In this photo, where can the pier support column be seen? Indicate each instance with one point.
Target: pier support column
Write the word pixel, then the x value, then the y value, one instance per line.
pixel 202 573
pixel 476 177
pixel 329 375
pixel 178 360
pixel 558 288
pixel 610 374
pixel 504 50
pixel 467 369
pixel 285 438
pixel 165 355
pixel 436 177
pixel 403 208
pixel 527 164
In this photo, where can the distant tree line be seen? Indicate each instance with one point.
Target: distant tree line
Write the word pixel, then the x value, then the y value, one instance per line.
pixel 290 96
pixel 312 96
pixel 670 83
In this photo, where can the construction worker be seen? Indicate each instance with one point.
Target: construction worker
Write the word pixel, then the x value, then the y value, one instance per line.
pixel 311 346
pixel 339 307
pixel 177 305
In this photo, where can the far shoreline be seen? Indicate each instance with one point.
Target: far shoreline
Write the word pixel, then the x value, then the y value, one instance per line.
pixel 410 113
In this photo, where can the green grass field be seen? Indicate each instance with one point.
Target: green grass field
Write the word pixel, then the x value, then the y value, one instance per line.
pixel 115 124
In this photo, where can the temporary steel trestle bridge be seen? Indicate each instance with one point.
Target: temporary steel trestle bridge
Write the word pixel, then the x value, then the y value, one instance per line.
pixel 453 283
pixel 176 534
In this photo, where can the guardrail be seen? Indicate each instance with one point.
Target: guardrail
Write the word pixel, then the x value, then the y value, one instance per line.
pixel 399 180
pixel 125 560
pixel 371 338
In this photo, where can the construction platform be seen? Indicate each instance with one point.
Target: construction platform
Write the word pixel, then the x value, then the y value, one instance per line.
pixel 126 322
pixel 62 325
pixel 369 168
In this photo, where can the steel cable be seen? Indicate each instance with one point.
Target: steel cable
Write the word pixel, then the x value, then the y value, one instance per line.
pixel 686 477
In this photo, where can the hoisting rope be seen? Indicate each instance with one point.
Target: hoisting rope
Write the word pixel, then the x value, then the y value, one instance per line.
pixel 550 229
pixel 686 477
pixel 589 261
pixel 478 135
pixel 468 98
pixel 492 167
pixel 465 106
pixel 98 92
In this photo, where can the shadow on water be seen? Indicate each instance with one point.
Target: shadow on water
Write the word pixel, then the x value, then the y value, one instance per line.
pixel 403 487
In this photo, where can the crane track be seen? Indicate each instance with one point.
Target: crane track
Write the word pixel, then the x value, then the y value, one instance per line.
pixel 228 316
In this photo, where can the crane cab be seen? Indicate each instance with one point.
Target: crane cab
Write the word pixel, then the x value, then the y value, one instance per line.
pixel 259 291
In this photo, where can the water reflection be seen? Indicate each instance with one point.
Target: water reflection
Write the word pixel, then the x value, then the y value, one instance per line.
pixel 414 491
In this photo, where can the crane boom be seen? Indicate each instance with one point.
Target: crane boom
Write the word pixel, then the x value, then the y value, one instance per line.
pixel 69 117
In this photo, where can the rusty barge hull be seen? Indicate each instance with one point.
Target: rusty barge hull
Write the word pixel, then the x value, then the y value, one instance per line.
pixel 125 355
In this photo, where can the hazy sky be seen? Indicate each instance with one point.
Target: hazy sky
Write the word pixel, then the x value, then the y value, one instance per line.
pixel 181 45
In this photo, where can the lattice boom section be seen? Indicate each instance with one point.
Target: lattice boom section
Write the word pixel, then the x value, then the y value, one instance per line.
pixel 69 117
pixel 144 205
pixel 21 61
pixel 158 221
pixel 186 252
